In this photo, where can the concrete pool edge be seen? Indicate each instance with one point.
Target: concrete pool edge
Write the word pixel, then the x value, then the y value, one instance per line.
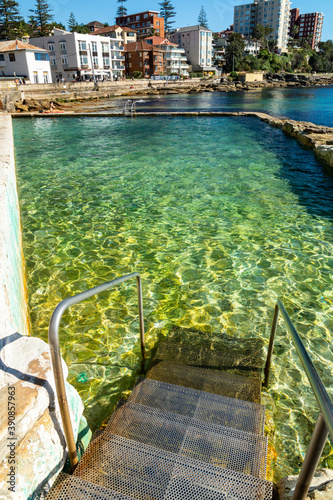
pixel 29 420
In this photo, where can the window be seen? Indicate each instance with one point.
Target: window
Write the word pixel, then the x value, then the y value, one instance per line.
pixel 82 45
pixel 140 54
pixel 50 46
pixel 41 56
pixel 106 61
pixel 95 60
pixel 137 18
pixel 35 76
pixel 64 60
pixel 145 16
pixel 140 64
pixel 53 61
pixel 62 45
pixel 84 60
pixel 94 46
pixel 105 47
pixel 129 55
pixel 130 65
pixel 45 77
pixel 12 57
pixel 2 57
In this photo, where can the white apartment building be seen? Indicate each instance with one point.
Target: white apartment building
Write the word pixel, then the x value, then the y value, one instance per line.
pixel 197 43
pixel 77 56
pixel 273 13
pixel 25 61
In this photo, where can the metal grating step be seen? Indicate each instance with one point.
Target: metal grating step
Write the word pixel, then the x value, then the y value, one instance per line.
pixel 208 380
pixel 147 473
pixel 223 446
pixel 229 412
pixel 68 487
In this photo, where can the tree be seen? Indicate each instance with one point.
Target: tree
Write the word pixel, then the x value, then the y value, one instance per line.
pixel 9 18
pixel 122 10
pixel 41 18
pixel 72 22
pixel 202 18
pixel 234 51
pixel 167 12
pixel 261 33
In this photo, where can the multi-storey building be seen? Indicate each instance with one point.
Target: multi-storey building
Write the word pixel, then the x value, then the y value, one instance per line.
pixel 78 56
pixel 175 60
pixel 309 27
pixel 273 13
pixel 26 61
pixel 197 43
pixel 145 23
pixel 144 58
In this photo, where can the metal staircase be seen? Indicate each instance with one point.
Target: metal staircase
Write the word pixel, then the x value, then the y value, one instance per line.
pixel 186 432
pixel 170 442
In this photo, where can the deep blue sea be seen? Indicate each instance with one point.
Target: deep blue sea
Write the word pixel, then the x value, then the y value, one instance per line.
pixel 305 104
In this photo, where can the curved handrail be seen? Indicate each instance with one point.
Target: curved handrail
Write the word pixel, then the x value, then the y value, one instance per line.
pixel 56 356
pixel 325 419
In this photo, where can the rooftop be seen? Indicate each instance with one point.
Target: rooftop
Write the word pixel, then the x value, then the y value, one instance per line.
pixel 197 27
pixel 11 45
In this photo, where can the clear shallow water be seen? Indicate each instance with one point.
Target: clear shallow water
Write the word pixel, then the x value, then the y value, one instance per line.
pixel 220 216
pixel 305 104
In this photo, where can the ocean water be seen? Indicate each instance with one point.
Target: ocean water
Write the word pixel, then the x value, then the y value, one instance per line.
pixel 305 104
pixel 221 216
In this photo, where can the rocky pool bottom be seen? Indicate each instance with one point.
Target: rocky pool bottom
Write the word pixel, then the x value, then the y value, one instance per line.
pixel 219 215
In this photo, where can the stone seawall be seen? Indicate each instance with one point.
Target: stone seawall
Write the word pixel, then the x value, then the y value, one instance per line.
pixel 32 446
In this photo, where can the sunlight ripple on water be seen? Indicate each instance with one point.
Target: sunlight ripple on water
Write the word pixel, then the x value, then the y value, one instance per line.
pixel 220 216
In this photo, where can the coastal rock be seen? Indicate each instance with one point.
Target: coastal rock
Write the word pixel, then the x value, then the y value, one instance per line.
pixel 321 487
pixel 21 107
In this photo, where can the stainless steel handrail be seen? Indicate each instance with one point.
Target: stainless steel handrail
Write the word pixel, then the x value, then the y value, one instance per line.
pixel 56 356
pixel 324 423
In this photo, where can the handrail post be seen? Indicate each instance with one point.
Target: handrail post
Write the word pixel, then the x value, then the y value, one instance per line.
pixel 56 356
pixel 312 457
pixel 271 346
pixel 142 326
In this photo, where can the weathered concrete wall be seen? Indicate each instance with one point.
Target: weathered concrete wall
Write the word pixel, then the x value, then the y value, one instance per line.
pixel 32 445
pixel 13 303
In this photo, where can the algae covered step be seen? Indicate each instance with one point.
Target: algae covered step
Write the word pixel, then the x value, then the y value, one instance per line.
pixel 214 381
pixel 144 472
pixel 223 446
pixel 221 410
pixel 232 359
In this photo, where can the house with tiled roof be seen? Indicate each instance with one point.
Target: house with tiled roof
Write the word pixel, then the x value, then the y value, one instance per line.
pixel 23 60
pixel 144 58
pixel 175 60
pixel 126 35
pixel 94 26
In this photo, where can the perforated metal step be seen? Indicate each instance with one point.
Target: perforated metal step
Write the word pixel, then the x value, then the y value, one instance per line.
pixel 222 446
pixel 229 412
pixel 144 472
pixel 208 380
pixel 73 488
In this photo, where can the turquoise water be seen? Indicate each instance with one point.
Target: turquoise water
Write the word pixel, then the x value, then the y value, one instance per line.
pixel 305 104
pixel 219 215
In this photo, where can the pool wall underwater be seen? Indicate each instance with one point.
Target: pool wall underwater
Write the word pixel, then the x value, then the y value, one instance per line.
pixel 29 416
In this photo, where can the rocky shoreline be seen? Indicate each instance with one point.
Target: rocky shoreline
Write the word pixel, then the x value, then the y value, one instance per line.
pixel 74 96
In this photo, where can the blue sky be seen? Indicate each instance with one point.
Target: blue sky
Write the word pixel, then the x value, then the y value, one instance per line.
pixel 219 12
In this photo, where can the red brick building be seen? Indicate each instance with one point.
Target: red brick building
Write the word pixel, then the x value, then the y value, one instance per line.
pixel 309 26
pixel 140 56
pixel 145 23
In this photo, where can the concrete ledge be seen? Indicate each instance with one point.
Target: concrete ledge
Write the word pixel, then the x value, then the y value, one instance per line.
pixel 32 445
